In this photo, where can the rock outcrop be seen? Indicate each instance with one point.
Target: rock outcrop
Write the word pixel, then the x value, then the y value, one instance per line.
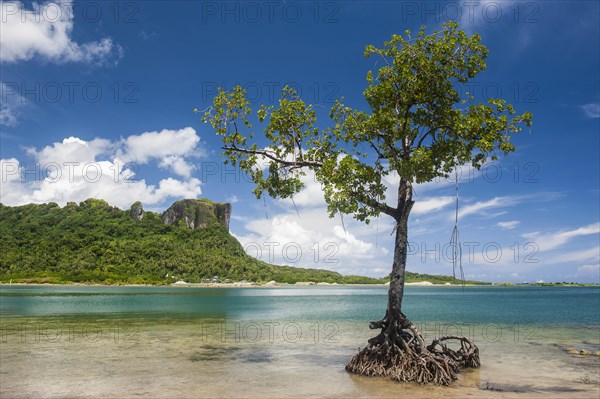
pixel 198 213
pixel 137 211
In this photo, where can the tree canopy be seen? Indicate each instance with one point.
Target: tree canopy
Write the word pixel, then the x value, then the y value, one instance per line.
pixel 418 126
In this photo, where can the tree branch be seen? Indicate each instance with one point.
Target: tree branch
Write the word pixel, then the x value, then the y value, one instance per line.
pixel 384 208
pixel 432 130
pixel 376 149
pixel 391 147
pixel 265 153
pixel 424 136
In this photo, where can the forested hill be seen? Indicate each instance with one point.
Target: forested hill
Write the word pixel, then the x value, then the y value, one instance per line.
pixel 96 243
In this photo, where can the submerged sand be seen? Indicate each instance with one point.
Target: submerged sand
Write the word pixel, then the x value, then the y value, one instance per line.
pixel 185 359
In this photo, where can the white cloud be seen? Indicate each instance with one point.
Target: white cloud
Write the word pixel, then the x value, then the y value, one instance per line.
pixel 427 205
pixel 170 147
pixel 474 14
pixel 71 149
pixel 11 190
pixel 550 241
pixel 356 249
pixel 10 170
pixel 141 148
pixel 537 252
pixel 46 31
pixel 177 164
pixel 588 255
pixel 8 116
pixel 10 103
pixel 312 240
pixel 591 110
pixel 483 207
pixel 232 199
pixel 310 196
pixel 589 271
pixel 76 169
pixel 508 225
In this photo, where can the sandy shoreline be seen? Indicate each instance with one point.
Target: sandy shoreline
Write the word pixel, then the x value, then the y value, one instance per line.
pixel 270 284
pixel 298 284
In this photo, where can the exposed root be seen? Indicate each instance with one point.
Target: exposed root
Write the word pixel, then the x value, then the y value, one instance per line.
pixel 400 353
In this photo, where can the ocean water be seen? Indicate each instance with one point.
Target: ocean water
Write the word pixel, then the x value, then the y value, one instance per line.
pixel 116 342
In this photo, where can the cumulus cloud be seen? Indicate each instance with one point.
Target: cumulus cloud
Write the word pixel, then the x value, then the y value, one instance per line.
pixel 312 240
pixel 305 221
pixel 141 148
pixel 169 147
pixel 11 190
pixel 46 31
pixel 76 169
pixel 310 196
pixel 71 149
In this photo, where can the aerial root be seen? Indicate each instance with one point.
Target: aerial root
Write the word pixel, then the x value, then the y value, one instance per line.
pixel 403 356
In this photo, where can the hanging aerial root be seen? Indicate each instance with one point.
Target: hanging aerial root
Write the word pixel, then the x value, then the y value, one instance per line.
pixel 402 356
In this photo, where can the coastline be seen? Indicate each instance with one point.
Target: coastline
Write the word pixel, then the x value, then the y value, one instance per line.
pixel 271 284
pixel 180 284
pixel 301 284
pixel 183 284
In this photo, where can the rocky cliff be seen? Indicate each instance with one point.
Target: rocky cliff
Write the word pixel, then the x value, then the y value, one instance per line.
pixel 198 213
pixel 136 211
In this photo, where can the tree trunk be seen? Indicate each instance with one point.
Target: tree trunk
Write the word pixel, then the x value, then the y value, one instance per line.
pixel 396 291
pixel 399 351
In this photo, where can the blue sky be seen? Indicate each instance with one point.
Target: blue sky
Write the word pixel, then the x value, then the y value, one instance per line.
pixel 97 100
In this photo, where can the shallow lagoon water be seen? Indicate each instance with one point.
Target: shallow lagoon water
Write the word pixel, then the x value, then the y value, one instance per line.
pixel 66 341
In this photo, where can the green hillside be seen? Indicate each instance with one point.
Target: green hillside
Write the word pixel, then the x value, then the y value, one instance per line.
pixel 95 243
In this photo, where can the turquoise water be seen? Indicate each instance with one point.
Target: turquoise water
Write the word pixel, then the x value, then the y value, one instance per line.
pixel 529 305
pixel 79 341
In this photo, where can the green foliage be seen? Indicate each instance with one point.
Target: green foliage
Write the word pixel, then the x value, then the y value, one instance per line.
pixel 417 126
pixel 97 243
